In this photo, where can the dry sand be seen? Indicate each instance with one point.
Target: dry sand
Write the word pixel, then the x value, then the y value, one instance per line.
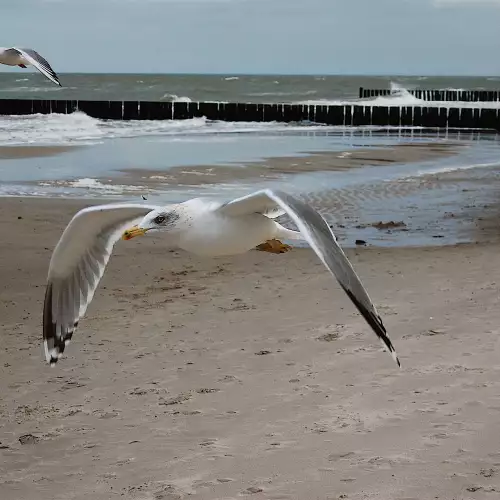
pixel 250 377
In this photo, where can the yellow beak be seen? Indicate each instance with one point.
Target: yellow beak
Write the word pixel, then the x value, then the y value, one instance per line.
pixel 133 232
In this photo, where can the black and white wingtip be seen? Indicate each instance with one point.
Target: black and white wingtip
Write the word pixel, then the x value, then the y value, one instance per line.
pixel 54 351
pixel 388 345
pixel 377 326
pixel 54 78
pixel 53 342
pixel 52 354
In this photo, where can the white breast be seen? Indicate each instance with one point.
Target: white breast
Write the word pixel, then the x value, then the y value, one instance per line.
pixel 10 58
pixel 214 234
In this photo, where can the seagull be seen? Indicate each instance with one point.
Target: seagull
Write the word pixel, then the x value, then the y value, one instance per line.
pixel 204 227
pixel 28 57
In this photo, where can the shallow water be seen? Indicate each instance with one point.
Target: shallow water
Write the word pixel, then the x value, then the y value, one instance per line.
pixel 420 194
pixel 160 153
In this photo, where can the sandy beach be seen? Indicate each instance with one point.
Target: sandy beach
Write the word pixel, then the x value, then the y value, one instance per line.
pixel 251 376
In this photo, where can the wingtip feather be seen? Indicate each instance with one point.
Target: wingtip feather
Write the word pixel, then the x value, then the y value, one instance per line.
pixel 377 325
pixel 394 357
pixel 386 342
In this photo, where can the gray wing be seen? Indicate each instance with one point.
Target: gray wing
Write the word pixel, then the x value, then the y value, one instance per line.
pixel 322 240
pixel 40 63
pixel 258 202
pixel 76 267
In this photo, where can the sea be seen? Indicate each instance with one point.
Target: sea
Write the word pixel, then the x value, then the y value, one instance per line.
pixel 98 152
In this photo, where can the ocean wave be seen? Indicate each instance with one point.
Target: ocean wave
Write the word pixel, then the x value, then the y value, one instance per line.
pixel 280 94
pixel 90 184
pixel 396 87
pixel 49 129
pixel 31 89
pixel 175 98
pixel 450 169
pixel 400 96
pixel 80 129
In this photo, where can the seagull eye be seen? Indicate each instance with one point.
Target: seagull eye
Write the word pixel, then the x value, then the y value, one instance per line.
pixel 159 219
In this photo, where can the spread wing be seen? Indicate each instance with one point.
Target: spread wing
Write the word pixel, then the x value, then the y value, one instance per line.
pixel 76 267
pixel 322 240
pixel 40 63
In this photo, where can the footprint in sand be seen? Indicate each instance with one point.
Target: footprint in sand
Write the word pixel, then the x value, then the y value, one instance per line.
pixel 237 305
pixel 29 439
pixel 229 379
pixel 206 391
pixel 347 455
pixel 180 398
pixel 488 472
pixel 102 414
pixel 252 490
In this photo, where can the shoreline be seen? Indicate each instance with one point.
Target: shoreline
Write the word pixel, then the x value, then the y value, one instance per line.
pixel 267 168
pixel 431 209
pixel 325 177
pixel 309 162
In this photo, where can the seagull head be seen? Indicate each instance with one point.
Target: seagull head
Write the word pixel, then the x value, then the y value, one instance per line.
pixel 156 220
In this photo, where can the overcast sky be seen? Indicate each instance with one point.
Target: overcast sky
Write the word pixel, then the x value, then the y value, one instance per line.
pixel 423 37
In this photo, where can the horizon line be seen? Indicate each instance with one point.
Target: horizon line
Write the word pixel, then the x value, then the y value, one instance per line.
pixel 229 73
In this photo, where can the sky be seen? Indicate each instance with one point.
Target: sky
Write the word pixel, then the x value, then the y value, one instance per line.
pixel 381 37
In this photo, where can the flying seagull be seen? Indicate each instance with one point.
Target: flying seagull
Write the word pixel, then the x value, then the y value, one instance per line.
pixel 200 226
pixel 28 57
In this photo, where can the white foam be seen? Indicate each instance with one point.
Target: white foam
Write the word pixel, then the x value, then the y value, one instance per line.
pixel 397 87
pixel 32 89
pixel 400 96
pixel 49 129
pixel 79 128
pixel 92 185
pixel 453 168
pixel 175 98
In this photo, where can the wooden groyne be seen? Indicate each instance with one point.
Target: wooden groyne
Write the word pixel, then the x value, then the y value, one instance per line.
pixel 439 95
pixel 341 115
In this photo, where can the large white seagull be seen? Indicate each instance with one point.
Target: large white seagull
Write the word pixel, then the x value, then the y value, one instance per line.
pixel 200 226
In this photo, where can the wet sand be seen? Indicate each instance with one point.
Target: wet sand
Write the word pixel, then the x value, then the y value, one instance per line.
pixel 18 152
pixel 269 169
pixel 251 376
pixel 278 167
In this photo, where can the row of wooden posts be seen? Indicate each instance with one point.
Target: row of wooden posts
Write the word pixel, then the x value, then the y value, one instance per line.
pixel 438 95
pixel 340 115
